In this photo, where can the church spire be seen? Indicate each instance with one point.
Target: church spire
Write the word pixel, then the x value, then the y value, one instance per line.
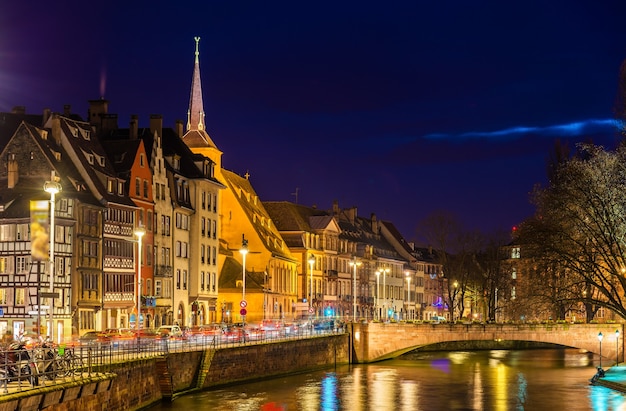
pixel 195 114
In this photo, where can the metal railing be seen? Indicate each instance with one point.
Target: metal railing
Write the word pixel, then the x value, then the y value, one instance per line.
pixel 33 367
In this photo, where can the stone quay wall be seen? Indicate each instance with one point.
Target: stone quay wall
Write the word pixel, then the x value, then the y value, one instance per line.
pixel 136 384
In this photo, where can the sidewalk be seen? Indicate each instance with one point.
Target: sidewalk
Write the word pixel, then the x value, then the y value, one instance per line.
pixel 614 378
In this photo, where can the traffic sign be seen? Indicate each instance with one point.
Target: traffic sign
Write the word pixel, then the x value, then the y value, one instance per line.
pixel 38 312
pixel 243 303
pixel 311 310
pixel 243 311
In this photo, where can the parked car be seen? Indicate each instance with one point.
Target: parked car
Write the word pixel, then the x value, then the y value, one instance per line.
pixel 119 335
pixel 170 331
pixel 94 337
pixel 203 332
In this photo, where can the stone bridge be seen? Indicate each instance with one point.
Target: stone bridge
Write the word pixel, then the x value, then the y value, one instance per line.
pixel 379 341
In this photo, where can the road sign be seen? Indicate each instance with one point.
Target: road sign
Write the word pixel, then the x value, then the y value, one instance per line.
pixel 243 303
pixel 311 310
pixel 38 312
pixel 243 311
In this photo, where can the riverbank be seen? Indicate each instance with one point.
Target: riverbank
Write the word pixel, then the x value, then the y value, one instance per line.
pixel 614 378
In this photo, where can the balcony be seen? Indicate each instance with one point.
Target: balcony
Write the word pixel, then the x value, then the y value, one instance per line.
pixel 163 271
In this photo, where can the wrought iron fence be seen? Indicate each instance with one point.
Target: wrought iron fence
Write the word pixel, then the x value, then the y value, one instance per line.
pixel 29 368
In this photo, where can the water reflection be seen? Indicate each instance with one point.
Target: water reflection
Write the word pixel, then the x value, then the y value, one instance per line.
pixel 479 380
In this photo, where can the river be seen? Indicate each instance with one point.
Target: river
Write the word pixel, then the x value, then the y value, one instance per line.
pixel 499 380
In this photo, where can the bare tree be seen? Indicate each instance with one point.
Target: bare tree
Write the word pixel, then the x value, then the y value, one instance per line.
pixel 579 231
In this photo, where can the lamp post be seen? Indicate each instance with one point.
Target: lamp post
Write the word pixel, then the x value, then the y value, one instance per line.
pixel 616 348
pixel 384 272
pixel 600 336
pixel 408 286
pixel 243 250
pixel 456 287
pixel 354 263
pixel 52 188
pixel 139 232
pixel 311 263
pixel 377 293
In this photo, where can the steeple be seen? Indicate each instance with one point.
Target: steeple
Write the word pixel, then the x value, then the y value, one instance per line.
pixel 195 114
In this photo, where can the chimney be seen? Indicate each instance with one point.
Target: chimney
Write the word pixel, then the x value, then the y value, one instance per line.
pixel 352 214
pixel 335 207
pixel 108 122
pixel 12 171
pixel 134 127
pixel 97 108
pixel 179 128
pixel 19 110
pixel 156 124
pixel 67 110
pixel 46 116
pixel 374 224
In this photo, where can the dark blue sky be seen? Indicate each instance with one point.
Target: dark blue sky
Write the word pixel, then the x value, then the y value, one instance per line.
pixel 398 108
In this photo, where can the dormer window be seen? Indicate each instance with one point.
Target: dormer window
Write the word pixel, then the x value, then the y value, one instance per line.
pixel 120 188
pixel 110 186
pixel 176 162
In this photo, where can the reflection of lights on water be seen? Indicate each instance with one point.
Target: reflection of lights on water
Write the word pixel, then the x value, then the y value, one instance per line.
pixel 522 386
pixel 309 397
pixel 459 357
pixel 328 397
pixel 408 395
pixel 477 392
pixel 382 389
pixel 500 385
pixel 441 364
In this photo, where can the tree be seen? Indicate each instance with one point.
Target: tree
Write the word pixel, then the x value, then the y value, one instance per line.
pixel 579 231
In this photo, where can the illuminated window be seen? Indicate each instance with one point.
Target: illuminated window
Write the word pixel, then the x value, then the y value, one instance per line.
pixel 20 296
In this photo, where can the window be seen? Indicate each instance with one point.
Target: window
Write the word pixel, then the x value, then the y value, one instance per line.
pixel 21 265
pixel 7 232
pixel 22 232
pixel 157 288
pixel 4 265
pixel 90 248
pixel 202 280
pixel 515 252
pixel 184 279
pixel 137 186
pixel 148 255
pixel 120 188
pixel 214 255
pixel 110 186
pixel 203 226
pixel 178 279
pixel 158 191
pixel 214 229
pixel 20 296
pixel 177 249
pixel 141 160
pixel 145 188
pixel 202 253
pixel 149 221
pixel 203 200
pixel 3 296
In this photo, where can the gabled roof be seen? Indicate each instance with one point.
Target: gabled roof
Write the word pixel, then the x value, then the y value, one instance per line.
pixel 258 217
pixel 89 156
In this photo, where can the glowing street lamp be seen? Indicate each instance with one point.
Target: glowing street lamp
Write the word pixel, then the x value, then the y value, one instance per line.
pixel 384 271
pixel 600 336
pixel 52 188
pixel 377 293
pixel 139 232
pixel 354 263
pixel 311 263
pixel 243 250
pixel 408 287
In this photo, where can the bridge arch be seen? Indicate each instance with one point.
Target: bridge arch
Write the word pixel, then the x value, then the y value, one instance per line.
pixel 373 342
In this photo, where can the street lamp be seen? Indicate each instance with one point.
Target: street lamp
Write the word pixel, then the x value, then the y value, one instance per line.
pixel 600 336
pixel 377 293
pixel 616 348
pixel 139 232
pixel 384 271
pixel 354 263
pixel 311 263
pixel 243 250
pixel 52 188
pixel 408 286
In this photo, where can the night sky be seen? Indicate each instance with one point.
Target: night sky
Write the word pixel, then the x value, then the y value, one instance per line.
pixel 398 108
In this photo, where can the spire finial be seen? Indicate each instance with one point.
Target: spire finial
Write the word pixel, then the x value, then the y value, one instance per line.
pixel 197 39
